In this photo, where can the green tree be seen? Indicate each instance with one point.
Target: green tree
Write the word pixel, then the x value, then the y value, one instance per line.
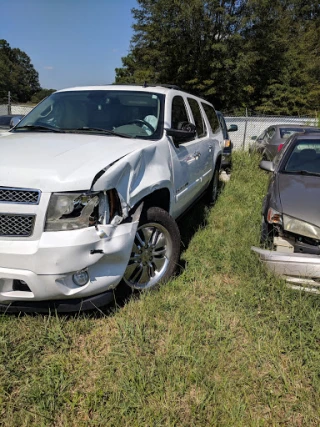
pixel 39 96
pixel 193 44
pixel 260 54
pixel 17 74
pixel 295 89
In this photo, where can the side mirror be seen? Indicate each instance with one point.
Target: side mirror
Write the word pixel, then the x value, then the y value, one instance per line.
pixel 186 133
pixel 267 166
pixel 254 138
pixel 232 128
pixel 14 121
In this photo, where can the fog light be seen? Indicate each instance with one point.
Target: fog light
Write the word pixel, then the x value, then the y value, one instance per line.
pixel 81 277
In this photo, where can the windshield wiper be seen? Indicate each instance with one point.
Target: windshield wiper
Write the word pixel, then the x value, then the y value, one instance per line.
pixel 40 127
pixel 303 172
pixel 105 131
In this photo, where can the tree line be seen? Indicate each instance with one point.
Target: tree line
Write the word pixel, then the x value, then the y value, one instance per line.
pixel 17 75
pixel 259 54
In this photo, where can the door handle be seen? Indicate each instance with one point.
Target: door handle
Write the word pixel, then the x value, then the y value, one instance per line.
pixel 197 154
pixel 210 148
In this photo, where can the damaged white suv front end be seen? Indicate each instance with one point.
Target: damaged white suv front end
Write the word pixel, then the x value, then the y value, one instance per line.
pixel 91 182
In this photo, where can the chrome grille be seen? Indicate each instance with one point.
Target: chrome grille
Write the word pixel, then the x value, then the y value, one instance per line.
pixel 16 225
pixel 19 195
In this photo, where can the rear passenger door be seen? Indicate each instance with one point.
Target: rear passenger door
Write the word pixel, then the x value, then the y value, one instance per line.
pixel 185 158
pixel 203 145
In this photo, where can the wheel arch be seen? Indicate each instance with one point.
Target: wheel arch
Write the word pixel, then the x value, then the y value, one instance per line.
pixel 160 198
pixel 218 162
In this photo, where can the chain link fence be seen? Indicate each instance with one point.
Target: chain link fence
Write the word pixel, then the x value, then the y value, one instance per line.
pixel 15 109
pixel 249 126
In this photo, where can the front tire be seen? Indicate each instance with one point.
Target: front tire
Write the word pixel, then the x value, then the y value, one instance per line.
pixel 155 251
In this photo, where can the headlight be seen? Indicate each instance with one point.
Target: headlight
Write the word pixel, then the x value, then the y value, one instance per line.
pixel 274 217
pixel 70 211
pixel 300 227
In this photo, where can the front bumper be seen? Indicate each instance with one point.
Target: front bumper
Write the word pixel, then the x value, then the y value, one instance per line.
pixel 47 265
pixel 60 306
pixel 301 271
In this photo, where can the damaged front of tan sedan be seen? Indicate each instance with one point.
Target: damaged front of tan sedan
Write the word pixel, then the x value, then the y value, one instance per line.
pixel 91 182
pixel 290 215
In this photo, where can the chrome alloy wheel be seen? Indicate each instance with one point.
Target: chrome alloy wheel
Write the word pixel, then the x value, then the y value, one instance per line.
pixel 150 256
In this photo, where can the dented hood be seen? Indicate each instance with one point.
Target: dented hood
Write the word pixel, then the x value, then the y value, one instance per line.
pixel 59 162
pixel 300 196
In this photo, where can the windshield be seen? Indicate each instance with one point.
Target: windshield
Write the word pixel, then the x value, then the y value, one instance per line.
pixel 288 131
pixel 125 113
pixel 304 158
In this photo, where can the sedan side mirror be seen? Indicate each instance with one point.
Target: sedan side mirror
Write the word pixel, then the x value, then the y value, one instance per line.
pixel 232 128
pixel 267 166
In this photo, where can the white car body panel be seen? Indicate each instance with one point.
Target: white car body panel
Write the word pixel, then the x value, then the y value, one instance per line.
pixel 59 162
pixel 47 264
pixel 71 162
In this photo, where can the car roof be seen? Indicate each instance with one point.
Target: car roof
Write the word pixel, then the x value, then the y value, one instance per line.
pixel 292 125
pixel 161 89
pixel 308 135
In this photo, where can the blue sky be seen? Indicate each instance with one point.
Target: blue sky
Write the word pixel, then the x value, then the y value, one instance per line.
pixel 69 42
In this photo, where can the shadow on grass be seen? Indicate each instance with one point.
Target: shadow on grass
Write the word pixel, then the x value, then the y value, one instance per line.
pixel 190 223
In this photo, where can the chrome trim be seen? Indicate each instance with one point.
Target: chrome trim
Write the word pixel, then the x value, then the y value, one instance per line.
pixel 22 190
pixel 19 215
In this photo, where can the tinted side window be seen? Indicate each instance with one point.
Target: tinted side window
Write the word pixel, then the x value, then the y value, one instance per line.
pixel 262 135
pixel 199 122
pixel 271 132
pixel 212 117
pixel 179 113
pixel 223 126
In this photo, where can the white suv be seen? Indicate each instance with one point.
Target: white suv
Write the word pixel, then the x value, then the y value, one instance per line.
pixel 92 181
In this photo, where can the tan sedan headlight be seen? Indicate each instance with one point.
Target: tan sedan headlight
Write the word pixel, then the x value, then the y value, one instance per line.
pixel 274 217
pixel 299 227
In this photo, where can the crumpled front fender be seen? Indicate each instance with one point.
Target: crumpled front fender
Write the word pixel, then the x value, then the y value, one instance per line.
pixel 137 175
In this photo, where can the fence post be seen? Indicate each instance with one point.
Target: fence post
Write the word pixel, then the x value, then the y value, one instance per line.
pixel 245 130
pixel 9 102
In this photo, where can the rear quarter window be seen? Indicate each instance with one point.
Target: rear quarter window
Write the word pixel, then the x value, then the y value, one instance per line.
pixel 212 117
pixel 199 121
pixel 178 113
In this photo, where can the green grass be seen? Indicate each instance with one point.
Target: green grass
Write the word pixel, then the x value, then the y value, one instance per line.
pixel 223 344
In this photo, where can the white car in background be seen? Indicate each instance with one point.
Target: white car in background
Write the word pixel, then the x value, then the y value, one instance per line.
pixel 92 181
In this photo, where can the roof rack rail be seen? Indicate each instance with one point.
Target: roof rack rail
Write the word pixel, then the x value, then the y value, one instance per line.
pixel 146 84
pixel 170 86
